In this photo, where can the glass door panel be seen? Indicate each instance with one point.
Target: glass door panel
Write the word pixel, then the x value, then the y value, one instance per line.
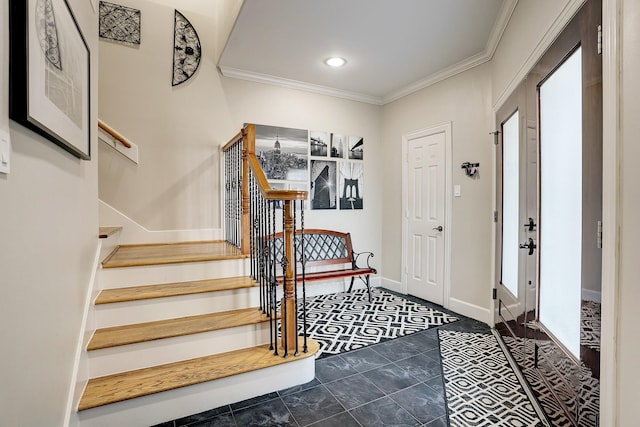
pixel 560 240
pixel 511 203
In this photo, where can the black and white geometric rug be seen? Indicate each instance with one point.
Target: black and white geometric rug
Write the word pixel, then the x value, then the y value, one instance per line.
pixel 590 325
pixel 480 386
pixel 347 321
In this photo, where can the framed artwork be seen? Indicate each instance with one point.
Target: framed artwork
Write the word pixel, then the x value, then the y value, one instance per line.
pixel 318 143
pixel 356 147
pixel 283 153
pixel 322 184
pixel 49 87
pixel 351 178
pixel 337 148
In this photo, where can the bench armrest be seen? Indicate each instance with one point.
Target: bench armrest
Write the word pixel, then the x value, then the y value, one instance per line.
pixel 357 255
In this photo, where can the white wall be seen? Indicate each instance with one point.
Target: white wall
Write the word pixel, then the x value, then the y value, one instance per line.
pixel 628 350
pixel 179 130
pixel 524 41
pixel 48 238
pixel 463 100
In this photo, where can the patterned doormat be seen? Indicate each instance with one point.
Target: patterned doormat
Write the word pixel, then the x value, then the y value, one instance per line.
pixel 347 321
pixel 480 386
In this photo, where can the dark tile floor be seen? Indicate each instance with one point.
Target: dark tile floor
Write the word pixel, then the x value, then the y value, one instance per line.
pixel 394 383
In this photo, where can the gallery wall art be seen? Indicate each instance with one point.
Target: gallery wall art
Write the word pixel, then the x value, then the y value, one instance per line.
pixel 322 184
pixel 49 85
pixel 119 23
pixel 283 153
pixel 328 165
pixel 351 178
pixel 187 51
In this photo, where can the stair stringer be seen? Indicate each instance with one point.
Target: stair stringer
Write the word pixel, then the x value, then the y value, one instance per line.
pixel 156 408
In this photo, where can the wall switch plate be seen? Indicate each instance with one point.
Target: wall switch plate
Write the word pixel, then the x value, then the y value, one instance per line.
pixel 457 192
pixel 5 152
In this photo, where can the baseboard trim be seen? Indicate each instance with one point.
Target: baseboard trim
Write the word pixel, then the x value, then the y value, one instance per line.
pixel 473 311
pixel 590 295
pixel 392 285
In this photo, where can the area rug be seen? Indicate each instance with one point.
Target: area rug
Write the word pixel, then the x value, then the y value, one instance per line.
pixel 480 386
pixel 347 321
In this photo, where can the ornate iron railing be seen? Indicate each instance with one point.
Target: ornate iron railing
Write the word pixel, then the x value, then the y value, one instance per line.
pixel 254 214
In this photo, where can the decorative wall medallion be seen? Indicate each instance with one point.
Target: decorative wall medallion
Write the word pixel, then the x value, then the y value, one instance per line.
pixel 186 50
pixel 119 23
pixel 48 32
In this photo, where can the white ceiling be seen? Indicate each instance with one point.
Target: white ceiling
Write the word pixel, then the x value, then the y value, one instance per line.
pixel 392 47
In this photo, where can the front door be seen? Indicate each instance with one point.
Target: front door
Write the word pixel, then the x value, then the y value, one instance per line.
pixel 425 214
pixel 554 336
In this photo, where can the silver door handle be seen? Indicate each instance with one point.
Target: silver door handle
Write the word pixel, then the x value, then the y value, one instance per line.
pixel 438 228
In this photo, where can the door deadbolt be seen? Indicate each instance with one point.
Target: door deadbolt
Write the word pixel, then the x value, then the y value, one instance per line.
pixel 438 228
pixel 529 245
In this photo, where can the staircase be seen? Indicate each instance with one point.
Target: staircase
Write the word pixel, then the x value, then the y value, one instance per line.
pixel 178 330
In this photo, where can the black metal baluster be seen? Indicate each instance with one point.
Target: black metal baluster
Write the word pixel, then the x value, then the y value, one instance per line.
pixel 305 349
pixel 295 271
pixel 274 281
pixel 283 304
pixel 238 193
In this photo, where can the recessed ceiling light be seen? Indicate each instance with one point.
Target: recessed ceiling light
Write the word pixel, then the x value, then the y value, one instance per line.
pixel 335 61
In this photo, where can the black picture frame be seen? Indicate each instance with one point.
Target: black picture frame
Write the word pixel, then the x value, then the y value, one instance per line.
pixel 49 74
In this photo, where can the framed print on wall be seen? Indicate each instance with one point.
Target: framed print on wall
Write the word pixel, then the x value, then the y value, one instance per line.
pixel 49 73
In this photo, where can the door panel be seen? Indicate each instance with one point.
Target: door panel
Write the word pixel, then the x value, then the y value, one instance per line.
pixel 426 180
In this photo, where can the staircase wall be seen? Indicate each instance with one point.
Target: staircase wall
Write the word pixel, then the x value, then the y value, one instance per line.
pixel 48 229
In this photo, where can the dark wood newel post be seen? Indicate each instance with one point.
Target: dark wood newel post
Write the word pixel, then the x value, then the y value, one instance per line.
pixel 248 146
pixel 288 299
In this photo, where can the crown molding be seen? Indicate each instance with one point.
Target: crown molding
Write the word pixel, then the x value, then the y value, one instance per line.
pixel 458 68
pixel 500 26
pixel 508 6
pixel 296 84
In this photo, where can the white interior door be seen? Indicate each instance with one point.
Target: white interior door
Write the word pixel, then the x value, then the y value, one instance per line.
pixel 425 215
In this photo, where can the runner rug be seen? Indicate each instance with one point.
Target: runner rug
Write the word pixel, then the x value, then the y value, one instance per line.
pixel 480 386
pixel 347 321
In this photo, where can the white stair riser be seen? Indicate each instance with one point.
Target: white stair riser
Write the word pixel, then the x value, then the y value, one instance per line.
pixel 143 355
pixel 130 312
pixel 178 403
pixel 171 273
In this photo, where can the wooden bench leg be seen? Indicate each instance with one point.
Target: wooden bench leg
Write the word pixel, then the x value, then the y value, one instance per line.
pixel 368 288
pixel 351 286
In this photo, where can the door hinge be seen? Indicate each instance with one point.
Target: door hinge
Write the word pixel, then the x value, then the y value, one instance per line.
pixel 600 39
pixel 599 235
pixel 495 136
pixel 494 293
pixel 495 216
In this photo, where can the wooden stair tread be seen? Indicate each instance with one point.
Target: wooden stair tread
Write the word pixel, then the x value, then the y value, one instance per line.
pixel 169 253
pixel 104 232
pixel 129 385
pixel 149 331
pixel 137 293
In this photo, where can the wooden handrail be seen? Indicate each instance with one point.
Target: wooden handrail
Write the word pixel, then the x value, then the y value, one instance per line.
pixel 121 139
pixel 266 190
